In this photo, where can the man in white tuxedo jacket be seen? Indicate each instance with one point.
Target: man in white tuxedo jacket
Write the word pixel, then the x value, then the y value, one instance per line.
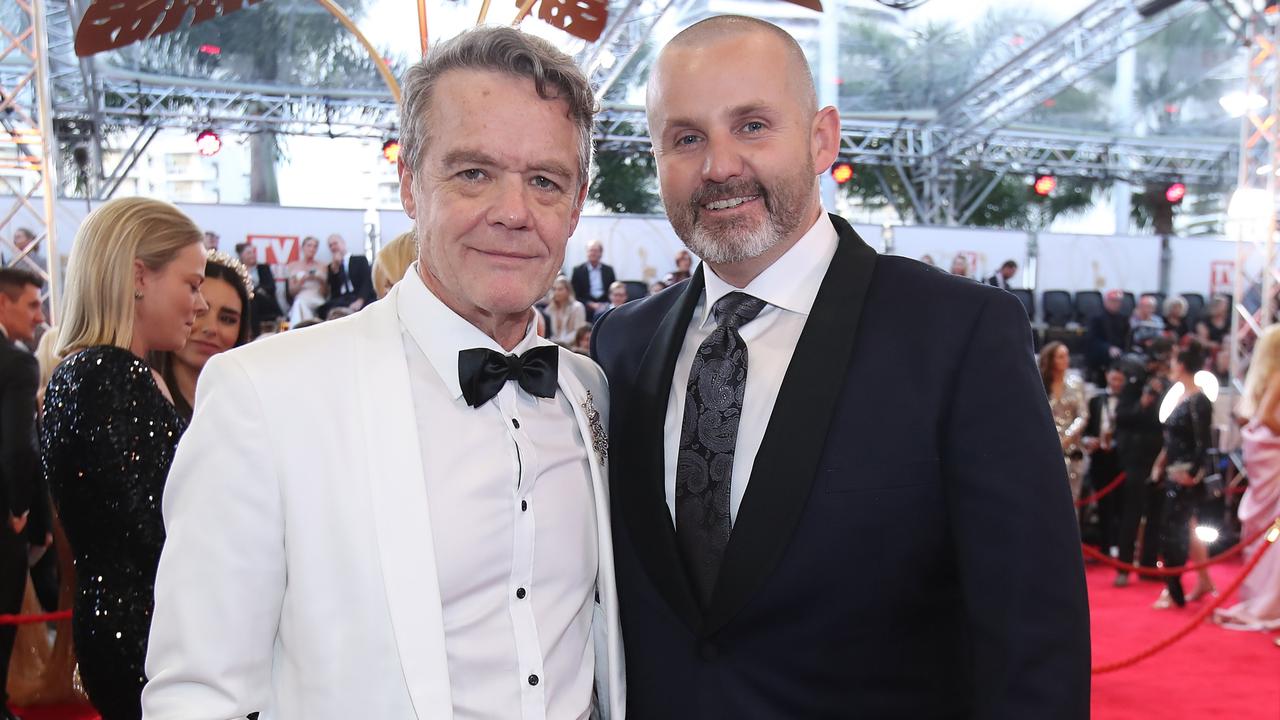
pixel 404 513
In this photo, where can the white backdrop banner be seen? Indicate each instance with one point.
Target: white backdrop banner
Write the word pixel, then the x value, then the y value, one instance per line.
pixel 643 247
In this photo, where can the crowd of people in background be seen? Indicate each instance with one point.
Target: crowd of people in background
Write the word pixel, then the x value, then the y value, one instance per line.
pixel 1140 404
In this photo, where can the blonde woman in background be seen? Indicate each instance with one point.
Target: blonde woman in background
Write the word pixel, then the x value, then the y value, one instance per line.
pixel 393 261
pixel 308 283
pixel 1070 408
pixel 110 428
pixel 1259 606
pixel 47 356
pixel 566 313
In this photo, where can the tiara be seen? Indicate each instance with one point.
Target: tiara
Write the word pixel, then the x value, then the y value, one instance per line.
pixel 218 257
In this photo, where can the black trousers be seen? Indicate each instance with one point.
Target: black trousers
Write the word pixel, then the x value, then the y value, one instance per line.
pixel 13 582
pixel 1141 499
pixel 1104 465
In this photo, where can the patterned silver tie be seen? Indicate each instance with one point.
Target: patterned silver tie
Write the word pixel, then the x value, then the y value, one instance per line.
pixel 708 436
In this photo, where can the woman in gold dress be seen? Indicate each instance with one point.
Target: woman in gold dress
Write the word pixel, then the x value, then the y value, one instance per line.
pixel 1070 409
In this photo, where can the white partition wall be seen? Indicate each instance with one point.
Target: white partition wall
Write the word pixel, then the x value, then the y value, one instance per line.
pixel 643 247
pixel 984 249
pixel 1093 262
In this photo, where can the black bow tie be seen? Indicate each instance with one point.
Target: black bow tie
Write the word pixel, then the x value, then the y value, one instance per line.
pixel 483 372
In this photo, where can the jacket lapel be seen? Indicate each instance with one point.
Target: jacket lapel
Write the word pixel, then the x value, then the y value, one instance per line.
pixel 787 461
pixel 401 519
pixel 610 683
pixel 643 500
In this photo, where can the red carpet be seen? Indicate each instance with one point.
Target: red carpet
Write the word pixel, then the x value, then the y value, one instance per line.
pixel 1210 674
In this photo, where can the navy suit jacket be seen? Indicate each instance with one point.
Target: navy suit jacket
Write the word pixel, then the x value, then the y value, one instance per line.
pixel 907 546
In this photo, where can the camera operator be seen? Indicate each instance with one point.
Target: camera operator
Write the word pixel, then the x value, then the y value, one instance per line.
pixel 1139 440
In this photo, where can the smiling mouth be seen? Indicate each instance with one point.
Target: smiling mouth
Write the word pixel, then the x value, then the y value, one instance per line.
pixel 729 203
pixel 506 255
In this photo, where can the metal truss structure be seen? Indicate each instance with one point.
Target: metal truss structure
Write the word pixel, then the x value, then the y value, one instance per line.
pixel 1252 215
pixel 931 152
pixel 27 151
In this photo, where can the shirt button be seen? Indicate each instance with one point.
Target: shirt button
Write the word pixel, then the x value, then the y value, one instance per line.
pixel 520 593
pixel 515 423
pixel 533 679
pixel 524 506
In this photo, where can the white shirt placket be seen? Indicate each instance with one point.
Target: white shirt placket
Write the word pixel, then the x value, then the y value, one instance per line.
pixel 533 699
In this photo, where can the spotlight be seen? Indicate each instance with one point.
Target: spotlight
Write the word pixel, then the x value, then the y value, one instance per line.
pixel 391 150
pixel 1045 185
pixel 1175 192
pixel 842 172
pixel 1208 384
pixel 208 143
pixel 1238 103
pixel 1207 535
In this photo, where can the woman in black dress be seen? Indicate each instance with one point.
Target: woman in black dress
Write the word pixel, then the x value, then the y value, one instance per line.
pixel 1182 467
pixel 110 428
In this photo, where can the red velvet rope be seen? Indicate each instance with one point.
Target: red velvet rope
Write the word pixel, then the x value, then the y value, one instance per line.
pixel 29 619
pixel 1200 616
pixel 1101 493
pixel 1172 571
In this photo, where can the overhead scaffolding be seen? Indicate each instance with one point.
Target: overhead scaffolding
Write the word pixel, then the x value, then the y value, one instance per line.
pixel 27 150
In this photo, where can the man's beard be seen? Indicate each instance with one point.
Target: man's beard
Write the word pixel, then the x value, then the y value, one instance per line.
pixel 724 242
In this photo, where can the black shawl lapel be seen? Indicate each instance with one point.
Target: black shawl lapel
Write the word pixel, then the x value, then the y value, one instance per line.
pixel 644 501
pixel 787 462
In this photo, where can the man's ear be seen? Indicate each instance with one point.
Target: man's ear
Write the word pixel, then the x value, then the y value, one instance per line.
pixel 406 188
pixel 577 208
pixel 825 138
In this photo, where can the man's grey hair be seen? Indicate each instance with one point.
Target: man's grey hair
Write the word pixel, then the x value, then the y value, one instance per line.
pixel 500 49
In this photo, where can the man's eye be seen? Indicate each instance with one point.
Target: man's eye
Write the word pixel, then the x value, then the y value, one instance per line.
pixel 686 139
pixel 471 174
pixel 544 183
pixel 753 126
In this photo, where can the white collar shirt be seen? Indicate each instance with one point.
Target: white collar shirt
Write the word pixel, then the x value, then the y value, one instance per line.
pixel 595 273
pixel 513 522
pixel 789 287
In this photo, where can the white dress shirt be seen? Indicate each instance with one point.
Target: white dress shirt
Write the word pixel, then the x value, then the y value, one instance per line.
pixel 347 287
pixel 789 287
pixel 595 273
pixel 512 516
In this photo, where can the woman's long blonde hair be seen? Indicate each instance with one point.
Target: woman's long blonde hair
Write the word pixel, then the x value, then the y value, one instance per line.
pixel 98 307
pixel 1266 360
pixel 393 261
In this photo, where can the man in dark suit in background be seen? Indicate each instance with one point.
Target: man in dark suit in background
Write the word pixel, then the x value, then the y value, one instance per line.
pixel 265 308
pixel 591 281
pixel 1139 439
pixel 350 279
pixel 1108 336
pixel 830 500
pixel 20 315
pixel 1104 460
pixel 1002 276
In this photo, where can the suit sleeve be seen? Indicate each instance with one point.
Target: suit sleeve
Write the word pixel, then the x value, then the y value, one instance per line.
pixel 18 456
pixel 221 579
pixel 362 279
pixel 1014 529
pixel 581 283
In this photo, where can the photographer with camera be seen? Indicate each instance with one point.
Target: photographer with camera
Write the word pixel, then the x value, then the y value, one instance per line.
pixel 1139 440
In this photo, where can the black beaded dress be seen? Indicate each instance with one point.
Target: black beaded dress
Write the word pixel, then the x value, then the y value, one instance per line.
pixel 109 436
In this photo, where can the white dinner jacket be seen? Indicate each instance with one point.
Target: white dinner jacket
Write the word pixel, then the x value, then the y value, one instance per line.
pixel 298 578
